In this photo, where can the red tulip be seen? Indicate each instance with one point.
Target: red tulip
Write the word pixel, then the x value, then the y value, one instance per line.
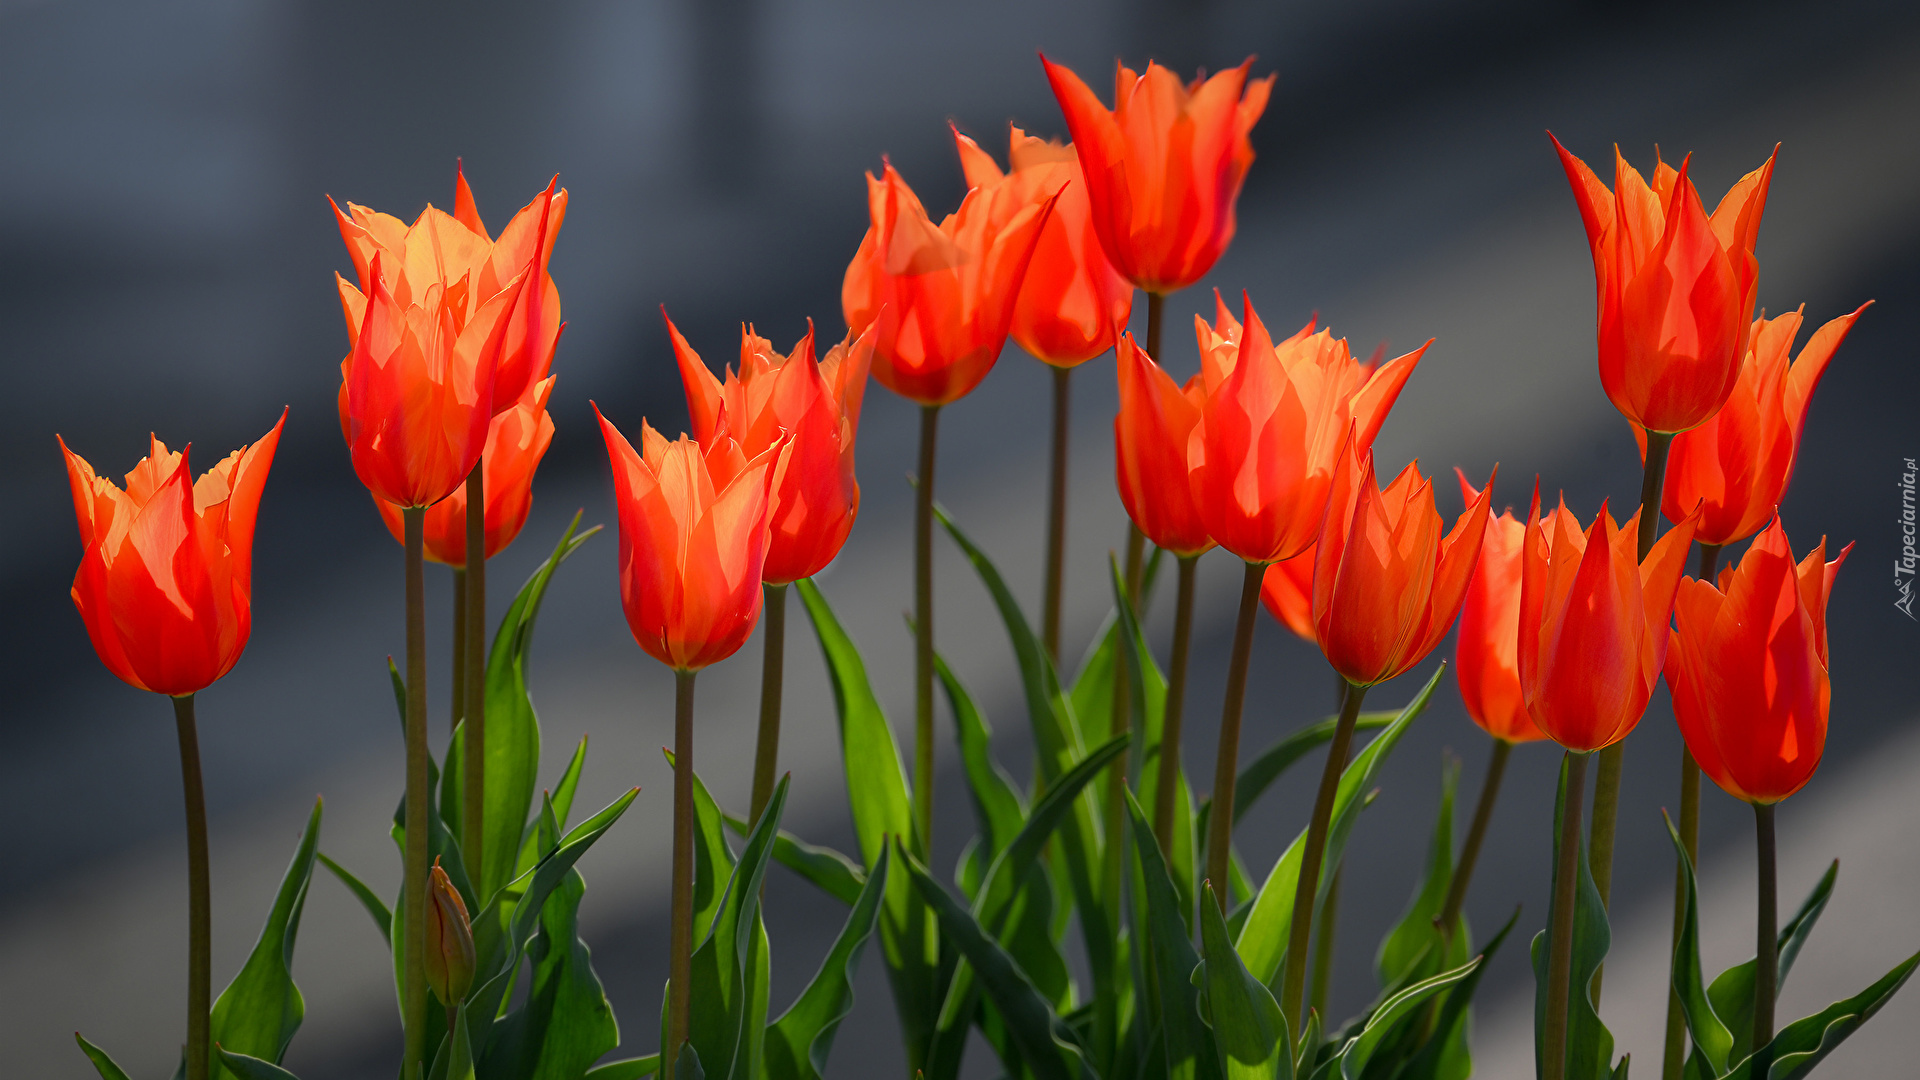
pixel 165 584
pixel 1675 287
pixel 1748 669
pixel 1486 652
pixel 1272 426
pixel 939 298
pixel 1164 167
pixel 1287 593
pixel 516 441
pixel 1735 467
pixel 693 542
pixel 814 406
pixel 1386 584
pixel 1593 624
pixel 1150 451
pixel 1072 301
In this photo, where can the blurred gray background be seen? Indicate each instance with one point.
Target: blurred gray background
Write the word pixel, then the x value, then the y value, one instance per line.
pixel 168 259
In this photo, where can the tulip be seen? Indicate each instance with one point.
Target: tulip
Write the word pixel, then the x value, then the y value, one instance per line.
pixel 1486 656
pixel 1735 467
pixel 1150 436
pixel 1675 287
pixel 450 951
pixel 1286 591
pixel 1164 166
pixel 165 588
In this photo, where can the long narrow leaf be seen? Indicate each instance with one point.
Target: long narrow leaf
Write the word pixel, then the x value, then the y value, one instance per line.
pixel 260 1010
pixel 102 1062
pixel 1186 1045
pixel 828 870
pixel 799 1041
pixel 1249 1032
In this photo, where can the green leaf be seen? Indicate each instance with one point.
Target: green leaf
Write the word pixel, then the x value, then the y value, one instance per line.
pixel 1187 1045
pixel 1802 1044
pixel 454 1058
pixel 562 799
pixel 376 907
pixel 1445 1056
pixel 101 1061
pixel 1249 1032
pixel 997 807
pixel 260 1010
pixel 1417 934
pixel 1732 991
pixel 721 990
pixel 1357 1053
pixel 1262 943
pixel 1589 1043
pixel 630 1069
pixel 1258 775
pixel 247 1067
pixel 799 1041
pixel 1711 1039
pixel 565 1024
pixel 831 872
pixel 713 860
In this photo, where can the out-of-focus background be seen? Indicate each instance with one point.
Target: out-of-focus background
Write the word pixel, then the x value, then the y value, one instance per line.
pixel 168 252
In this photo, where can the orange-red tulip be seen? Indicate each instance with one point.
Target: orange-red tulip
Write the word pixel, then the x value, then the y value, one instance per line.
pixel 165 584
pixel 418 388
pixel 1072 300
pixel 939 298
pixel 1386 583
pixel 516 441
pixel 1273 423
pixel 1675 287
pixel 1150 451
pixel 1735 467
pixel 1748 668
pixel 1287 593
pixel 693 542
pixel 815 407
pixel 1164 166
pixel 1486 652
pixel 1593 624
pixel 455 251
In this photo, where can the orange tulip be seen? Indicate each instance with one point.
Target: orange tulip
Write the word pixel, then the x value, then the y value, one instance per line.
pixel 693 542
pixel 1593 624
pixel 450 955
pixel 1287 593
pixel 1072 301
pixel 1748 669
pixel 1675 287
pixel 417 397
pixel 939 298
pixel 815 407
pixel 455 251
pixel 1164 167
pixel 1150 451
pixel 165 584
pixel 1272 426
pixel 1486 652
pixel 1386 584
pixel 516 441
pixel 1736 465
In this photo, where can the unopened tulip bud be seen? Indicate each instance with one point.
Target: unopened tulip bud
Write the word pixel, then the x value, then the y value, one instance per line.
pixel 450 955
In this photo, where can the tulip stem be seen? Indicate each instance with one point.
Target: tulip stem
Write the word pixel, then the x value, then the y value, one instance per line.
pixel 199 893
pixel 1156 313
pixel 1169 778
pixel 1553 1042
pixel 1674 1060
pixel 923 634
pixel 414 911
pixel 1323 945
pixel 680 948
pixel 766 755
pixel 1766 940
pixel 1226 762
pixel 1314 855
pixel 473 830
pixel 1476 834
pixel 459 695
pixel 1057 514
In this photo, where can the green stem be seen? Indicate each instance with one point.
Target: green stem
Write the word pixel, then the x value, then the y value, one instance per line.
pixel 1314 854
pixel 1170 724
pixel 1323 945
pixel 680 947
pixel 199 893
pixel 1476 834
pixel 1156 316
pixel 414 893
pixel 459 693
pixel 1674 1060
pixel 923 635
pixel 1766 941
pixel 766 754
pixel 1057 514
pixel 1226 762
pixel 1553 1041
pixel 474 756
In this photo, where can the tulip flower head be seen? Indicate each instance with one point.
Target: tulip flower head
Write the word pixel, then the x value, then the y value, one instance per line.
pixel 1164 166
pixel 940 298
pixel 1593 623
pixel 1072 299
pixel 1150 436
pixel 165 584
pixel 1748 668
pixel 1386 583
pixel 450 954
pixel 1486 657
pixel 814 406
pixel 1273 423
pixel 516 441
pixel 693 542
pixel 1675 287
pixel 1287 593
pixel 1735 467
